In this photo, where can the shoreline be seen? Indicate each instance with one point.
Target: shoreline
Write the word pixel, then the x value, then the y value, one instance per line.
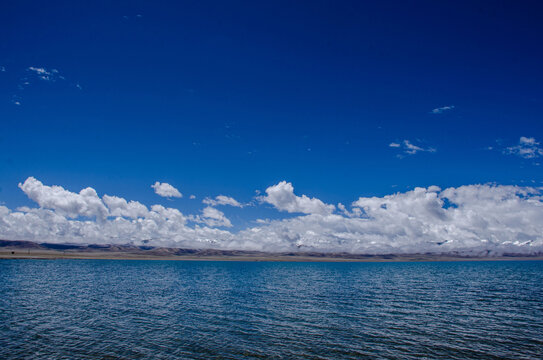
pixel 28 254
pixel 21 249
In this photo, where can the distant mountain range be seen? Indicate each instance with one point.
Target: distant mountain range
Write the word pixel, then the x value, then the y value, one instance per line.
pixel 28 249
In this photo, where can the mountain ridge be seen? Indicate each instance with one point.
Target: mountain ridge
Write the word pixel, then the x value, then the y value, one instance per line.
pixel 23 249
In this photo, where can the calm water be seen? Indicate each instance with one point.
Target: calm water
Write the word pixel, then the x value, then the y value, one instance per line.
pixel 167 309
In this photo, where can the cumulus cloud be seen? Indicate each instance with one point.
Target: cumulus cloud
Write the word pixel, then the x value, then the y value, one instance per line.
pixel 86 203
pixel 475 219
pixel 222 200
pixel 283 198
pixel 409 148
pixel 120 207
pixel 211 217
pixel 118 221
pixel 355 212
pixel 471 219
pixel 441 110
pixel 214 218
pixel 162 227
pixel 527 148
pixel 166 190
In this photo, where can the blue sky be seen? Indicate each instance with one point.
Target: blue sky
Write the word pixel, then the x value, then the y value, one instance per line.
pixel 232 97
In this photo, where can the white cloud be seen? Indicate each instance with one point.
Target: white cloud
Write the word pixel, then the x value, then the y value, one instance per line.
pixel 170 214
pixel 222 200
pixel 283 198
pixel 213 217
pixel 86 203
pixel 441 110
pixel 120 207
pixel 408 148
pixel 166 190
pixel 162 227
pixel 472 219
pixel 355 212
pixel 57 220
pixel 527 148
pixel 192 197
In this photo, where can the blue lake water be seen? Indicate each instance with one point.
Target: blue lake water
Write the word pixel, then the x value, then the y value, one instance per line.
pixel 237 310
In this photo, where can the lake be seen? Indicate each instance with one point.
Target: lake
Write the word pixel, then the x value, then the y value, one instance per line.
pixel 239 310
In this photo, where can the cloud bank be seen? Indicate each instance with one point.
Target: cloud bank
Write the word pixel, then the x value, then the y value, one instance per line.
pixel 471 219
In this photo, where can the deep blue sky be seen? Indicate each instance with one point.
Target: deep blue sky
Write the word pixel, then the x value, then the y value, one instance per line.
pixel 228 97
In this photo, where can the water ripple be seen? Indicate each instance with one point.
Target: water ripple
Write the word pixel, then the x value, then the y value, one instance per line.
pixel 91 309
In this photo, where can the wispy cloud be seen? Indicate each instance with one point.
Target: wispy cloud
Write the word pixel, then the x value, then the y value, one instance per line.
pixel 441 110
pixel 35 74
pixel 16 100
pixel 44 74
pixel 408 148
pixel 222 200
pixel 527 148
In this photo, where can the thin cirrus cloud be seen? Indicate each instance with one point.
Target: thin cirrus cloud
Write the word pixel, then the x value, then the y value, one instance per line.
pixel 44 74
pixel 441 110
pixel 166 190
pixel 408 148
pixel 483 219
pixel 33 74
pixel 527 148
